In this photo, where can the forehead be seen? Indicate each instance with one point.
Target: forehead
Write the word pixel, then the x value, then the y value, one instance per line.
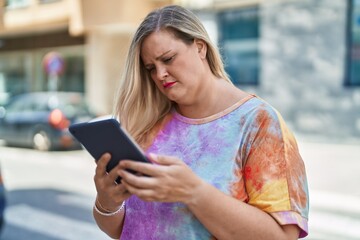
pixel 158 43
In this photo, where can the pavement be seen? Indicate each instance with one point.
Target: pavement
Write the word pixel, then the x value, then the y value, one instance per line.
pixel 333 178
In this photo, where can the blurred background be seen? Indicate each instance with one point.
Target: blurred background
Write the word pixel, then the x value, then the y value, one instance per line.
pixel 302 56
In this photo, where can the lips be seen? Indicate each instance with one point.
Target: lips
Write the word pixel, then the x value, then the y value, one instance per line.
pixel 168 84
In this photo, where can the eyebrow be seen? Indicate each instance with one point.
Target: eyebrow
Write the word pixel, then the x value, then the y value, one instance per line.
pixel 157 58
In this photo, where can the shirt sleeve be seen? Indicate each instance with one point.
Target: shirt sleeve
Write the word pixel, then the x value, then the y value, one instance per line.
pixel 273 170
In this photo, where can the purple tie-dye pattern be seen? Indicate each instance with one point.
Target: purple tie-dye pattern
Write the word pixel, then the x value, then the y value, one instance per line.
pixel 216 149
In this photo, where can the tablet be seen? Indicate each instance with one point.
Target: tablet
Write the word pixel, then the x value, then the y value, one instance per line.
pixel 107 136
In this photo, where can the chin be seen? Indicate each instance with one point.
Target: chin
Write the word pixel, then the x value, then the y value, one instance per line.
pixel 173 98
pixel 180 98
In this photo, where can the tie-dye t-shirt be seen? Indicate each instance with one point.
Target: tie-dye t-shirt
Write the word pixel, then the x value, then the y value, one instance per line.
pixel 245 151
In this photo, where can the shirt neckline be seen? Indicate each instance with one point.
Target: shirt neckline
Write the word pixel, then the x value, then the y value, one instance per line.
pixel 213 117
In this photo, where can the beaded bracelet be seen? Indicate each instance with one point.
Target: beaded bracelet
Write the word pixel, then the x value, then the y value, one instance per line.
pixel 109 214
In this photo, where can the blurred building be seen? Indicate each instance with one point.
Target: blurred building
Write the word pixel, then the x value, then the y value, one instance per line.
pixel 91 37
pixel 302 56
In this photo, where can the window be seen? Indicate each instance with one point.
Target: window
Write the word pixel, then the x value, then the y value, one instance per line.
pixel 73 77
pixel 17 3
pixel 14 74
pixel 48 1
pixel 238 39
pixel 353 57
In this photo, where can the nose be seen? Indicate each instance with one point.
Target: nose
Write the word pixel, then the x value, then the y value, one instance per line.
pixel 162 73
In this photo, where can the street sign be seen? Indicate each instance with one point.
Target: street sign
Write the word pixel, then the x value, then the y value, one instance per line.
pixel 53 63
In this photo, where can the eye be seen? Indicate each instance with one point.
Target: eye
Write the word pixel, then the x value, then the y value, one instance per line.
pixel 150 69
pixel 169 59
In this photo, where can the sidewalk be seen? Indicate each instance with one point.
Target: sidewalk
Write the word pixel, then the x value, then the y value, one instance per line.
pixel 333 176
pixel 332 167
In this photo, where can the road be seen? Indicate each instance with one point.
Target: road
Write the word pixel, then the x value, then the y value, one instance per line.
pixel 50 195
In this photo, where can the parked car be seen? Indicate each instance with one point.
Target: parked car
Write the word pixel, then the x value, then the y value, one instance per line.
pixel 41 119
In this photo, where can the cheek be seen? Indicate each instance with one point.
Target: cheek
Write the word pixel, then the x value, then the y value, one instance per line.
pixel 157 83
pixel 152 76
pixel 192 68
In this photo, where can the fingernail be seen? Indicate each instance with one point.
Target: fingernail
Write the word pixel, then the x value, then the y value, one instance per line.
pixel 153 156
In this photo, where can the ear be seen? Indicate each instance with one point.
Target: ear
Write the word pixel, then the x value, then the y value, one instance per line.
pixel 201 47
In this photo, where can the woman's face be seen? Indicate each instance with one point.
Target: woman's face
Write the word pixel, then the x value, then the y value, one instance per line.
pixel 176 68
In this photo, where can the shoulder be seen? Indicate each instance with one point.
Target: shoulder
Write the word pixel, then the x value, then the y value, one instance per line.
pixel 262 123
pixel 258 112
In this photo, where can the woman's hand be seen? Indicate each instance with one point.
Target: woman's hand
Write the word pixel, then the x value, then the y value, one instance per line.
pixel 109 194
pixel 167 180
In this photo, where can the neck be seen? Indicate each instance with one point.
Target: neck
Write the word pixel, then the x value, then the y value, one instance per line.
pixel 210 100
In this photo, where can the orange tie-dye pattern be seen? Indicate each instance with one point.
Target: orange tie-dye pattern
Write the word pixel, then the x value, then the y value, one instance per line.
pixel 295 169
pixel 271 164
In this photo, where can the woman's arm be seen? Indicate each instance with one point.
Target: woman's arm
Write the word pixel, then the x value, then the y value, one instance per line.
pixel 228 218
pixel 111 225
pixel 110 197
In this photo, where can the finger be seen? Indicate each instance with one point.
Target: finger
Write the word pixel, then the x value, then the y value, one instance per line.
pixel 113 175
pixel 164 160
pixel 139 167
pixel 137 181
pixel 101 164
pixel 144 194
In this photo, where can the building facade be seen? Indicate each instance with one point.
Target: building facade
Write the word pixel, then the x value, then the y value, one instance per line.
pixel 302 56
pixel 91 39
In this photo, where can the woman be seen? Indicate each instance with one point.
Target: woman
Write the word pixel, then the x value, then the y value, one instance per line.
pixel 224 164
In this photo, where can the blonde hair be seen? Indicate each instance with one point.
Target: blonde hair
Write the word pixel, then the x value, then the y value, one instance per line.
pixel 139 103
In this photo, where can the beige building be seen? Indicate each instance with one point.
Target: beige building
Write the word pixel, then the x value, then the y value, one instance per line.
pixel 302 56
pixel 90 36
